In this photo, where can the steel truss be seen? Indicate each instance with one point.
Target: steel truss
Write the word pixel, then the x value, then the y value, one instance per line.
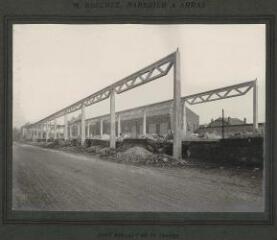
pixel 152 72
pixel 220 93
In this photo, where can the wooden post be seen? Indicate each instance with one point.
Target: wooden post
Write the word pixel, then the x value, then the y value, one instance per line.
pixel 83 124
pixel 112 119
pixel 177 141
pixel 65 127
pixel 144 129
pixel 255 107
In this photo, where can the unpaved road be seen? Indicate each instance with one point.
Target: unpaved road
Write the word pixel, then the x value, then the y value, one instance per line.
pixel 46 179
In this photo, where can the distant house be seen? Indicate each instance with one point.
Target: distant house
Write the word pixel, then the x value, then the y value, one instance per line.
pixel 226 121
pixel 229 127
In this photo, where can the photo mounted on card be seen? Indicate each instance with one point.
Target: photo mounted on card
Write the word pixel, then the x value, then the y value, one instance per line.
pixel 139 121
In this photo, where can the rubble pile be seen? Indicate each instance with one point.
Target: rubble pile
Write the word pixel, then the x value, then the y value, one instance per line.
pixel 142 156
pixel 137 155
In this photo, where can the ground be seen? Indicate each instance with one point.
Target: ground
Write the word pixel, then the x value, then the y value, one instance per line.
pixel 46 179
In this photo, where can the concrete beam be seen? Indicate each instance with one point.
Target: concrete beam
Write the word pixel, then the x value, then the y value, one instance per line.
pixel 177 141
pixel 112 119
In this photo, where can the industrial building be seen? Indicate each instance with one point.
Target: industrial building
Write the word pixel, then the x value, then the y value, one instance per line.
pixel 154 119
pixel 157 118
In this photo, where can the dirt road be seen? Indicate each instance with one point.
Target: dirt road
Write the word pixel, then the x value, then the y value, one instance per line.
pixel 46 179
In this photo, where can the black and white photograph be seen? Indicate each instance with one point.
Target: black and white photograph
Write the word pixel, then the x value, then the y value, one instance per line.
pixel 138 117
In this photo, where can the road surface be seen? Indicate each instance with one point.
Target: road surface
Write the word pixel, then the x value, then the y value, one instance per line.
pixel 45 179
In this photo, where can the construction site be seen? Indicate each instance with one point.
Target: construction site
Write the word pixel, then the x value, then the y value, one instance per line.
pixel 171 125
pixel 165 135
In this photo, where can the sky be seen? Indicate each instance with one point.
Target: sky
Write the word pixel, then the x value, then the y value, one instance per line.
pixel 55 65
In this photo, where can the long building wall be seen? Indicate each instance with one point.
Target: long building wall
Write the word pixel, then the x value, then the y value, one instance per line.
pixel 130 123
pixel 158 119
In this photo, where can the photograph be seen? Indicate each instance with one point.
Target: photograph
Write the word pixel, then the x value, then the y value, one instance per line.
pixel 138 117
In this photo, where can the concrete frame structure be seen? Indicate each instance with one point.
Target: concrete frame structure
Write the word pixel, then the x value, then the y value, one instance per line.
pixel 143 117
pixel 152 72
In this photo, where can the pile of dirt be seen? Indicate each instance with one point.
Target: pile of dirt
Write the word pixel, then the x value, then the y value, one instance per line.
pixel 106 152
pixel 137 155
pixel 94 149
pixel 142 156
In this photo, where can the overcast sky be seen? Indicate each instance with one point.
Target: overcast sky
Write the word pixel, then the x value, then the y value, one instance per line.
pixel 55 65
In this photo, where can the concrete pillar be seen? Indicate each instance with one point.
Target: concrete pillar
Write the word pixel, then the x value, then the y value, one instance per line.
pixel 78 130
pixel 171 116
pixel 37 132
pixel 41 130
pixel 33 134
pixel 47 131
pixel 118 126
pixel 88 129
pixel 101 128
pixel 36 129
pixel 255 107
pixel 55 129
pixel 23 132
pixel 112 119
pixel 70 131
pixel 144 122
pixel 177 141
pixel 65 127
pixel 83 124
pixel 184 120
